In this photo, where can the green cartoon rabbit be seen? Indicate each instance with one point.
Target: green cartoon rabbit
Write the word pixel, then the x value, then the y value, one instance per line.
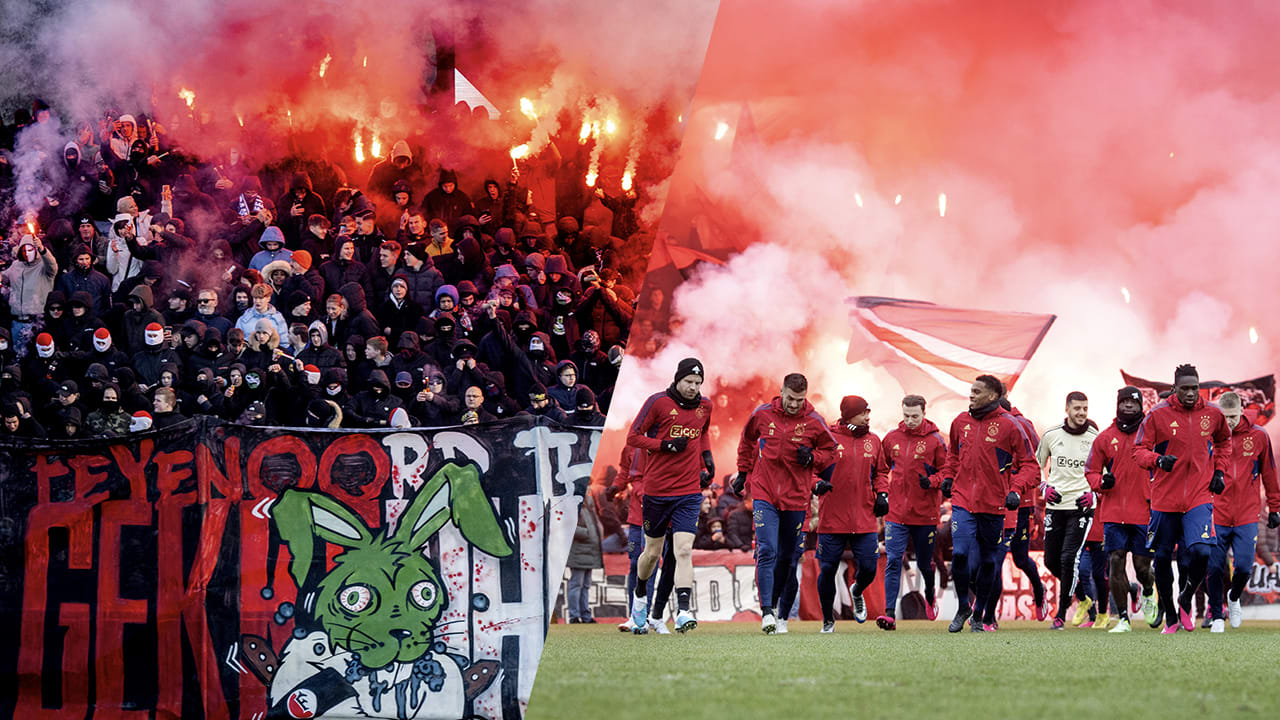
pixel 381 603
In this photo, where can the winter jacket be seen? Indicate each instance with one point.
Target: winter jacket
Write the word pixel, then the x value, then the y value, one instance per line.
pixel 93 282
pixel 660 419
pixel 1251 461
pixel 910 453
pixel 136 322
pixel 767 453
pixel 423 284
pixel 1201 441
pixel 859 474
pixel 987 458
pixel 1129 501
pixel 585 553
pixel 30 282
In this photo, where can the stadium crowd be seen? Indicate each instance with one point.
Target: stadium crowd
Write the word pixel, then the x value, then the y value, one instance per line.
pixel 143 285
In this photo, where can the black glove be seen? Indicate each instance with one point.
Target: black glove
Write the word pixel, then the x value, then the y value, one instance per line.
pixel 1273 520
pixel 674 445
pixel 804 456
pixel 924 481
pixel 882 505
pixel 1012 500
pixel 708 463
pixel 704 479
pixel 946 486
pixel 1108 481
pixel 1218 483
pixel 1166 462
pixel 611 492
pixel 739 484
pixel 822 487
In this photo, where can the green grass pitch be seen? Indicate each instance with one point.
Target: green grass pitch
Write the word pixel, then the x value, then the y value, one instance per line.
pixel 1026 671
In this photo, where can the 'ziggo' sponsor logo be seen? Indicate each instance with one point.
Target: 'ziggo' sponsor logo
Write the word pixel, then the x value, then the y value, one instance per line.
pixel 1066 462
pixel 688 432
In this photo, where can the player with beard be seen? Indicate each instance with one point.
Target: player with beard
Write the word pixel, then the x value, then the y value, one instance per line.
pixel 849 505
pixel 1235 512
pixel 989 466
pixel 1126 489
pixel 914 453
pixel 1069 501
pixel 783 443
pixel 1186 443
pixel 671 429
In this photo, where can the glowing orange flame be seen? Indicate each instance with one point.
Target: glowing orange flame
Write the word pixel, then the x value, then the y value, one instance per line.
pixel 375 147
pixel 359 150
pixel 366 61
pixel 942 204
pixel 626 181
pixel 897 200
pixel 591 179
pixel 585 132
pixel 188 96
pixel 520 152
pixel 324 64
pixel 722 129
pixel 240 119
pixel 1253 335
pixel 526 107
pixel 31 228
pixel 857 197
pixel 610 126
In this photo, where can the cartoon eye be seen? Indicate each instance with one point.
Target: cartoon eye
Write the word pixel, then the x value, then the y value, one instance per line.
pixel 423 594
pixel 355 598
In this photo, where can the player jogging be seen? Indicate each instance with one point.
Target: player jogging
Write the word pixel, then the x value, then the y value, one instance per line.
pixel 1069 501
pixel 915 453
pixel 989 466
pixel 783 443
pixel 671 428
pixel 1126 488
pixel 1236 510
pixel 849 505
pixel 1187 443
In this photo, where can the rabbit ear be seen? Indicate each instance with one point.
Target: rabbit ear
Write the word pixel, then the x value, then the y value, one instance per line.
pixel 453 492
pixel 303 517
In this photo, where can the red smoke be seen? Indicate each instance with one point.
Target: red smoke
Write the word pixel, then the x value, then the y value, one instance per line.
pixel 1083 148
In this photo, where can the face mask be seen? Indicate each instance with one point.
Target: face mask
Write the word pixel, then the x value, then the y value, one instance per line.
pixel 333 391
pixel 3 346
pixel 378 390
pixel 44 352
pixel 252 381
pixel 102 344
pixel 110 406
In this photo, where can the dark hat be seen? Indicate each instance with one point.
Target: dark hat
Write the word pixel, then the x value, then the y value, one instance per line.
pixel 1128 392
pixel 537 391
pixel 68 387
pixel 419 251
pixel 464 349
pixel 689 366
pixel 586 399
pixel 404 378
pixel 851 405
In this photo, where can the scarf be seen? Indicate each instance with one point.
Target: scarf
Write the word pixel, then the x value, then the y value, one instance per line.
pixel 244 205
pixel 679 399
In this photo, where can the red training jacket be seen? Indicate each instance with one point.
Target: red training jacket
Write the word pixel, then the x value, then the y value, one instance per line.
pixel 988 458
pixel 1201 440
pixel 1028 499
pixel 908 454
pixel 671 474
pixel 1129 501
pixel 767 453
pixel 860 472
pixel 1252 461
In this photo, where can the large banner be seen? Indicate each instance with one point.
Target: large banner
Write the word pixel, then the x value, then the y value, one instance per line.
pixel 222 571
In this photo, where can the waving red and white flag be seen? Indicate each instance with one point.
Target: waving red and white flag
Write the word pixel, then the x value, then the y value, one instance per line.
pixel 933 349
